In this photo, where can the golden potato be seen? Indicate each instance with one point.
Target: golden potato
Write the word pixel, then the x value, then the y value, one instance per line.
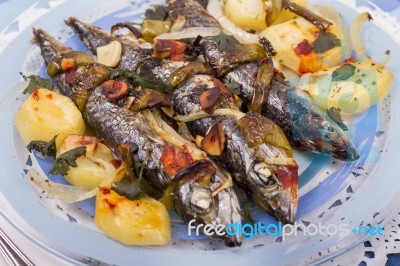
pixel 45 114
pixel 287 36
pixel 144 221
pixel 93 168
pixel 247 14
pixel 369 84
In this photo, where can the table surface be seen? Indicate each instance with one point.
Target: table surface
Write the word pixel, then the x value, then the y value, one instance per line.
pixel 373 252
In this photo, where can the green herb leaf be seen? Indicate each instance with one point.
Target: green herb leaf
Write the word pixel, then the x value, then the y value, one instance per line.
pixel 131 191
pixel 36 82
pixel 156 12
pixel 45 148
pixel 116 72
pixel 233 86
pixel 325 42
pixel 66 160
pixel 145 78
pixel 343 73
pixel 225 42
pixel 334 114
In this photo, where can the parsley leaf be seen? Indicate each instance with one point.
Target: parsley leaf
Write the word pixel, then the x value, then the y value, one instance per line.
pixel 145 78
pixel 344 72
pixel 225 42
pixel 334 114
pixel 156 12
pixel 325 42
pixel 36 82
pixel 67 159
pixel 131 191
pixel 45 148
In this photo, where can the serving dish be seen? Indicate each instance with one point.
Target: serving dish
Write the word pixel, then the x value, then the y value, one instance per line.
pixel 353 193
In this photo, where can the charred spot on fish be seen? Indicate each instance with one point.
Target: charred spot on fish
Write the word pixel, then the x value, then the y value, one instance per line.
pixel 114 89
pixel 210 99
pixel 174 159
pixel 196 48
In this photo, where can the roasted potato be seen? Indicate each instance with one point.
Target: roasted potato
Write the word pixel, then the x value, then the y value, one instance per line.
pixel 286 37
pixel 247 14
pixel 369 83
pixel 144 221
pixel 92 168
pixel 45 114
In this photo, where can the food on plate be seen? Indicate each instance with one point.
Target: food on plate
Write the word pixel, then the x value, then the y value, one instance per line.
pixel 246 70
pixel 251 16
pixel 189 103
pixel 46 114
pixel 275 192
pixel 142 222
pixel 89 172
pixel 161 151
pixel 352 87
pixel 303 47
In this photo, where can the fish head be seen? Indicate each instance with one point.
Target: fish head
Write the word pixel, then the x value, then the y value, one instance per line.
pixel 196 195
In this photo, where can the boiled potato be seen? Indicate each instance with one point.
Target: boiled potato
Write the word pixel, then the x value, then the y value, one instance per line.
pixel 144 221
pixel 247 14
pixel 369 84
pixel 45 114
pixel 89 173
pixel 286 36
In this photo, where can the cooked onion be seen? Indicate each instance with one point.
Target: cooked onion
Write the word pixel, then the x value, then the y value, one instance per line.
pixel 356 33
pixel 279 161
pixel 190 33
pixel 202 114
pixel 170 135
pixel 68 193
pixel 215 8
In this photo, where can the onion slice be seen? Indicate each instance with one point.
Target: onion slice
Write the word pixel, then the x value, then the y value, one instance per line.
pixel 215 8
pixel 170 135
pixel 71 194
pixel 356 33
pixel 201 114
pixel 189 33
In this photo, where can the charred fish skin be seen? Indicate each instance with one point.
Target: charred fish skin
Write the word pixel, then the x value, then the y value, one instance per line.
pixel 190 13
pixel 120 126
pixel 273 188
pixel 306 124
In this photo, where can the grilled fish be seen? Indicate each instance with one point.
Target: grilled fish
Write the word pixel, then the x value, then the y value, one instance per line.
pixel 305 125
pixel 200 195
pixel 260 161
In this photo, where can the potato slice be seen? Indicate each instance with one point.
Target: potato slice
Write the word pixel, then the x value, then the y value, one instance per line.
pixel 45 114
pixel 287 36
pixel 144 221
pixel 370 83
pixel 89 173
pixel 247 14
